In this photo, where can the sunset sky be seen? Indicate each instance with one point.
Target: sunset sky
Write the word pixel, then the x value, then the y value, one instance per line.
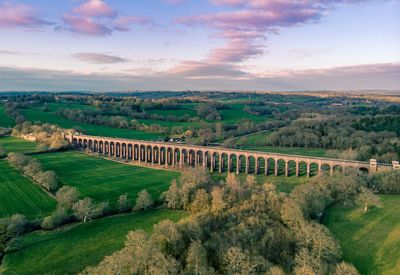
pixel 125 45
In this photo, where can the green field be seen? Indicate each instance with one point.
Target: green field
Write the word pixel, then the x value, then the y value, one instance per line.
pixel 5 121
pixel 103 179
pixel 371 241
pixel 70 250
pixel 17 145
pixel 236 113
pixel 36 114
pixel 20 195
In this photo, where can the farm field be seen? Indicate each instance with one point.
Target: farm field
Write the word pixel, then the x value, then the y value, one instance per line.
pixel 371 241
pixel 17 145
pixel 36 114
pixel 104 180
pixel 71 249
pixel 5 121
pixel 20 195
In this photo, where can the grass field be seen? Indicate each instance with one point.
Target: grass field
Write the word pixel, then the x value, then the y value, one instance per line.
pixel 36 114
pixel 17 145
pixel 103 179
pixel 70 250
pixel 371 241
pixel 236 113
pixel 5 121
pixel 20 195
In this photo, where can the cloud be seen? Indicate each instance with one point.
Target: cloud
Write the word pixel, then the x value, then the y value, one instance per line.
pixel 23 16
pixel 96 58
pixel 97 18
pixel 95 8
pixel 85 25
pixel 247 24
pixel 360 77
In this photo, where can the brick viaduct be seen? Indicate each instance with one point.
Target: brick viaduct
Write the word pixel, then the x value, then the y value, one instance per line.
pixel 216 158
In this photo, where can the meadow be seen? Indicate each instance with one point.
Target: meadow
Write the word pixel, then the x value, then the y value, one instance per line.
pixel 105 180
pixel 72 248
pixel 17 145
pixel 20 195
pixel 370 241
pixel 5 121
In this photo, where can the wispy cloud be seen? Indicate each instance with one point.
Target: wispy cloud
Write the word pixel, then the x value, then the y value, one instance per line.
pixel 97 58
pixel 18 15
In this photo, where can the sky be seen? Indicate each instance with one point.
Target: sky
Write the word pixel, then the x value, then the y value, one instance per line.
pixel 266 45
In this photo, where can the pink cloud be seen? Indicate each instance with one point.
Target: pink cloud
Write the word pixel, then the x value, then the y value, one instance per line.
pixel 123 23
pixel 15 15
pixel 247 25
pixel 85 25
pixel 97 18
pixel 95 8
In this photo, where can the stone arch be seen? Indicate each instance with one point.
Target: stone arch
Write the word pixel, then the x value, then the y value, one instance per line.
pixel 130 151
pixel 224 161
pixel 260 165
pixel 183 157
pixel 112 148
pixel 191 157
pixel 101 147
pixel 338 168
pixel 280 167
pixel 270 166
pixel 250 164
pixel 364 170
pixel 149 153
pixel 124 148
pixel 302 168
pixel 232 163
pixel 200 158
pixel 314 169
pixel 241 163
pixel 292 167
pixel 325 168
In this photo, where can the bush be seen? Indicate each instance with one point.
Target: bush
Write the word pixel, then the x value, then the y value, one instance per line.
pixel 387 182
pixel 55 219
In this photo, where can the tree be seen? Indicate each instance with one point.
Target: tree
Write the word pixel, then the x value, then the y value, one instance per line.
pixel 16 224
pixel 217 202
pixel 201 201
pixel 123 203
pixel 173 196
pixel 345 269
pixel 196 260
pixel 67 196
pixel 85 209
pixel 48 180
pixel 367 198
pixel 143 201
pixel 55 219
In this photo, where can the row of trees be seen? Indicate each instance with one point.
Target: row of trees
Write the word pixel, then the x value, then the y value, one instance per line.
pixel 32 168
pixel 241 228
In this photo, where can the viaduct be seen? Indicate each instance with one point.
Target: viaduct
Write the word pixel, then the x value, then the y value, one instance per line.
pixel 218 159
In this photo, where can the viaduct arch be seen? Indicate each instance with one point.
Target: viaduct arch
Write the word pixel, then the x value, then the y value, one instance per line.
pixel 218 159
